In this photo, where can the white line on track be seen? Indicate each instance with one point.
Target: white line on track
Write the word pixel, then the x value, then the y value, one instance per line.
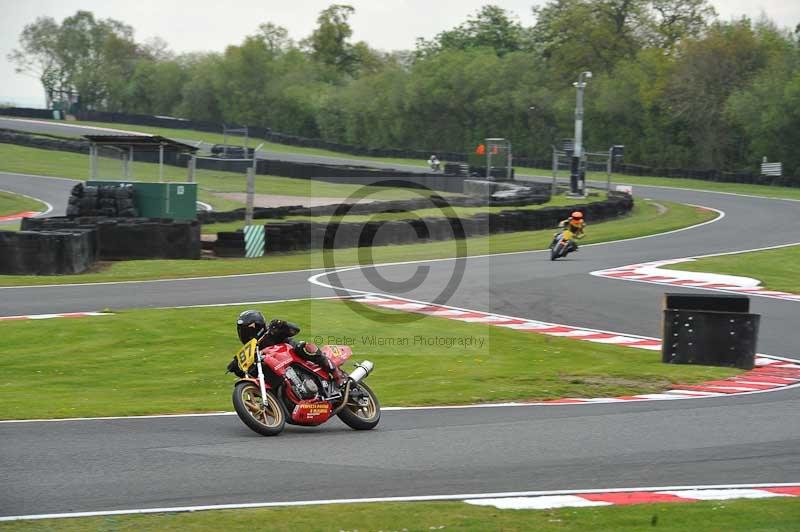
pixel 72 125
pixel 412 498
pixel 46 204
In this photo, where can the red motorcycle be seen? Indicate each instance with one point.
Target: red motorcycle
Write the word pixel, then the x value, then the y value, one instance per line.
pixel 282 387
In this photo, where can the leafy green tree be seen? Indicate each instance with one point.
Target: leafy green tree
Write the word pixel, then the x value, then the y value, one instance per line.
pixel 707 72
pixel 491 27
pixel 38 55
pixel 329 41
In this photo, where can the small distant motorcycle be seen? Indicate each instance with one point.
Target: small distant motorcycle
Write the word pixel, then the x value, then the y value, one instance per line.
pixel 282 387
pixel 561 244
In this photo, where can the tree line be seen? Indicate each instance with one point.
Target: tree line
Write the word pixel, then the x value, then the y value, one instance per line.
pixel 675 85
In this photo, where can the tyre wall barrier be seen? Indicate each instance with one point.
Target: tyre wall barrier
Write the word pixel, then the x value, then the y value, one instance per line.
pixel 539 193
pixel 48 252
pixel 298 236
pixel 715 330
pixel 131 238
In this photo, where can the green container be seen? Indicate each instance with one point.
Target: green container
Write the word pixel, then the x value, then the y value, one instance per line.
pixel 161 200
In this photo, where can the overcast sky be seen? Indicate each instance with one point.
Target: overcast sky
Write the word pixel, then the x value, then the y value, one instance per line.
pixel 203 25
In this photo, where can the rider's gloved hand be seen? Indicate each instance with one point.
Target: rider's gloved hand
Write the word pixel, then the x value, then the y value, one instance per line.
pixel 233 367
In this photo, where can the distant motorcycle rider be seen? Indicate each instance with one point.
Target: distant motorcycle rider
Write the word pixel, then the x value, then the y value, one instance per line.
pixel 576 225
pixel 252 324
pixel 434 163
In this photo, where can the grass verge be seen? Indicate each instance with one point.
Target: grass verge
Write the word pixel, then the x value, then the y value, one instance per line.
pixel 133 362
pixel 777 269
pixel 647 218
pixel 35 161
pixel 218 138
pixel 14 203
pixel 460 212
pixel 773 515
pixel 694 184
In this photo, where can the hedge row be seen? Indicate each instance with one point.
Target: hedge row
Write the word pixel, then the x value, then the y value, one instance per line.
pixel 298 236
pixel 47 253
pixel 131 238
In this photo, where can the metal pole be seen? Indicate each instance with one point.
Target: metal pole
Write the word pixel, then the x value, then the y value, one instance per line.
pixel 190 168
pixel 555 171
pixel 161 163
pixel 130 165
pixel 578 149
pixel 508 170
pixel 251 190
pixel 488 162
pixel 91 160
pixel 608 169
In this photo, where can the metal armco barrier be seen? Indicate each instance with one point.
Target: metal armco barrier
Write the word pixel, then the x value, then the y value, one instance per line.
pixel 715 330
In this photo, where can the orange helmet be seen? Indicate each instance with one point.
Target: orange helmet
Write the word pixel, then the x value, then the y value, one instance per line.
pixel 577 215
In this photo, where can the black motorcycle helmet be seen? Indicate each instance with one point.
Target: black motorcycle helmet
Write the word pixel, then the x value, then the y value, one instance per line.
pixel 250 324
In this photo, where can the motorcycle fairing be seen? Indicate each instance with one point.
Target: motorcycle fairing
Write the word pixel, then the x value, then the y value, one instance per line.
pixel 278 357
pixel 311 412
pixel 338 354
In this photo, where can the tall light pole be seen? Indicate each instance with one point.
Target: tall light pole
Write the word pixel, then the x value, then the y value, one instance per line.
pixel 575 173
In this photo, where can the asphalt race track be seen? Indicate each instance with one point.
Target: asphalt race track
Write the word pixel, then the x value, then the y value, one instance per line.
pixel 94 465
pixel 73 129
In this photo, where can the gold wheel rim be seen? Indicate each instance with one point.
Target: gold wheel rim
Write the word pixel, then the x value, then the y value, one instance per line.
pixel 366 412
pixel 270 415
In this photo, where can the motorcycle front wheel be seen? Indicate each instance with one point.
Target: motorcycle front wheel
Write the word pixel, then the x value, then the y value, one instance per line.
pixel 363 415
pixel 556 251
pixel 265 418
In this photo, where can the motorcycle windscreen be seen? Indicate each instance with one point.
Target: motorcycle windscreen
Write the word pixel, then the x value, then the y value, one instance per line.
pixel 338 354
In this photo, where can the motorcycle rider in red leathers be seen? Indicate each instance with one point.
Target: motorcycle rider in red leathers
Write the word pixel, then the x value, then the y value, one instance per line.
pixel 252 324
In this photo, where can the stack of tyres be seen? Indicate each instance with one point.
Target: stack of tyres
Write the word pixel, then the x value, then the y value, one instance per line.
pixel 106 200
pixel 229 244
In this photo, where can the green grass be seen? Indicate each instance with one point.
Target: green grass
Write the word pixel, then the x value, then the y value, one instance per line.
pixel 14 203
pixel 133 362
pixel 460 212
pixel 73 165
pixel 777 269
pixel 742 515
pixel 695 184
pixel 646 219
pixel 218 138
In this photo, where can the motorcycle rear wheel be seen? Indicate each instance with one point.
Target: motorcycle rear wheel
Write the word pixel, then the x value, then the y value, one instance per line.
pixel 267 420
pixel 362 417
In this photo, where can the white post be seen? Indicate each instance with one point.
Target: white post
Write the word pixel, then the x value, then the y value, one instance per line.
pixel 251 190
pixel 130 164
pixel 161 163
pixel 93 161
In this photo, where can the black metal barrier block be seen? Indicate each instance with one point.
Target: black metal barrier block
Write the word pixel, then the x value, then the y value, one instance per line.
pixel 715 302
pixel 710 338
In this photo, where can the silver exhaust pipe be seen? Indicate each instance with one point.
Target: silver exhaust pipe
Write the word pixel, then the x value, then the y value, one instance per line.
pixel 362 371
